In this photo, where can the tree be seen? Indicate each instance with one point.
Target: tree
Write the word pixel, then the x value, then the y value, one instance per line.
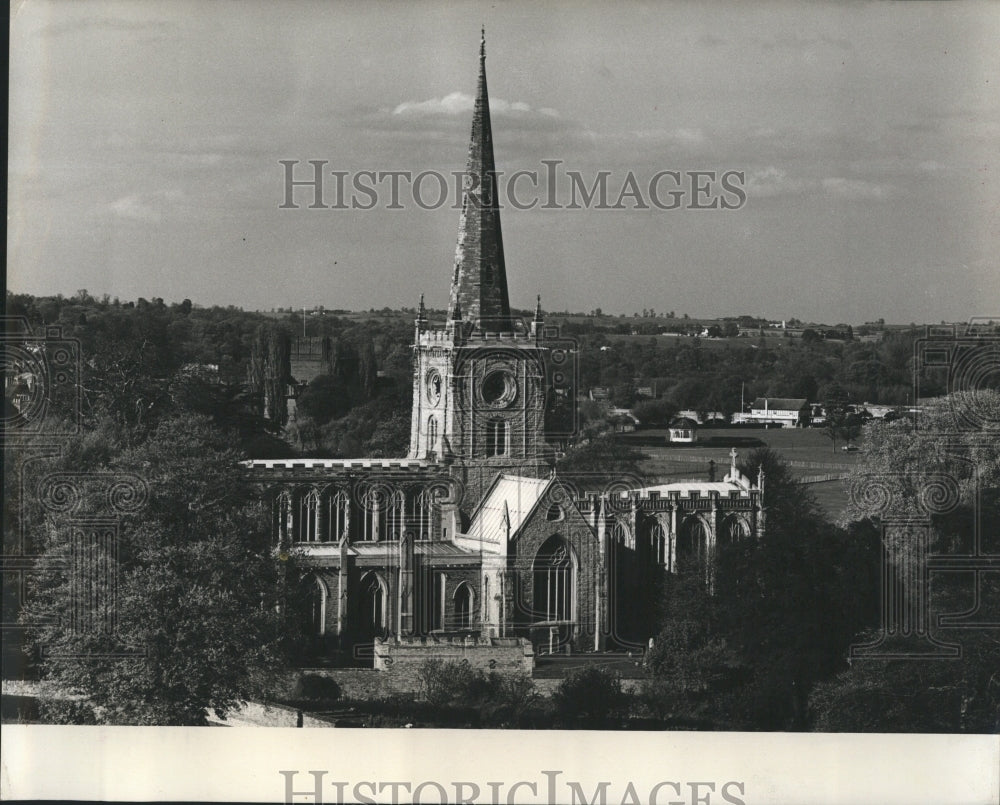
pixel 325 398
pixel 601 460
pixel 838 423
pixel 921 695
pixel 197 588
pixel 654 413
pixel 810 337
pixel 946 472
pixel 269 371
pixel 779 618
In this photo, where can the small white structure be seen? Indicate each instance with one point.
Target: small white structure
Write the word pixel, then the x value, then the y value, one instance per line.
pixel 683 430
pixel 782 411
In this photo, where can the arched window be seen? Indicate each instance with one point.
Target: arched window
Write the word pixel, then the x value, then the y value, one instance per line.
pixel 692 544
pixel 733 530
pixel 620 533
pixel 496 438
pixel 555 513
pixel 463 606
pixel 656 542
pixel 316 611
pixel 308 517
pixel 375 504
pixel 337 515
pixel 418 513
pixel 554 582
pixel 432 434
pixel 394 517
pixel 371 606
pixel 283 516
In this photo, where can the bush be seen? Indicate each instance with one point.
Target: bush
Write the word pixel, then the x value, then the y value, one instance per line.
pixel 445 683
pixel 314 687
pixel 494 699
pixel 66 711
pixel 590 697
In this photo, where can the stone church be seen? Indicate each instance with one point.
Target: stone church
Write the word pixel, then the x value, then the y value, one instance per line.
pixel 473 534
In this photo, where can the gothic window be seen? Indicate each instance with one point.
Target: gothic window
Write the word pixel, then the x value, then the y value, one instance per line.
pixel 308 517
pixel 496 438
pixel 375 505
pixel 657 542
pixel 394 517
pixel 283 515
pixel 432 434
pixel 418 513
pixel 555 513
pixel 372 606
pixel 337 516
pixel 554 582
pixel 620 533
pixel 463 606
pixel 733 530
pixel 317 606
pixel 692 544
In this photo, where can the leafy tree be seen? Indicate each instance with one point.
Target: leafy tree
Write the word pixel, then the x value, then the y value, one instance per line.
pixel 197 589
pixel 601 460
pixel 692 665
pixel 325 398
pixel 782 611
pixel 948 468
pixel 391 437
pixel 655 413
pixel 918 694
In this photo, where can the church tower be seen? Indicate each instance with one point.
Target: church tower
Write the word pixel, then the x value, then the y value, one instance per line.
pixel 479 379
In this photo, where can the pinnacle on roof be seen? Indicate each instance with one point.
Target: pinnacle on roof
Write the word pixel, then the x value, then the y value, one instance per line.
pixel 480 275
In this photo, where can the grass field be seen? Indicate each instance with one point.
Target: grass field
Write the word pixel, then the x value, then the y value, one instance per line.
pixel 808 450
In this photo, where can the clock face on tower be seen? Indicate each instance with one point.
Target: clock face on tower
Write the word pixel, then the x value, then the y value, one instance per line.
pixel 498 389
pixel 433 384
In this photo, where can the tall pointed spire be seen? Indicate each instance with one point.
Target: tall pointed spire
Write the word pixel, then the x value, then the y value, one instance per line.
pixel 479 283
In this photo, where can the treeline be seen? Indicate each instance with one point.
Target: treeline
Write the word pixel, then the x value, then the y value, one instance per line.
pixel 145 359
pixel 370 374
pixel 717 377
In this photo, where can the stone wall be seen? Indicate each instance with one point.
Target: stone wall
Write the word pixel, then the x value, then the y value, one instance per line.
pixel 503 655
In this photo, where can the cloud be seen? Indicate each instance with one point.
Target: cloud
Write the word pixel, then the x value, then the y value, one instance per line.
pixel 773 181
pixel 854 188
pixel 133 208
pixel 459 103
pixel 145 208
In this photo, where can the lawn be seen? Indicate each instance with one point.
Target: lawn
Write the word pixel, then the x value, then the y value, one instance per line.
pixel 808 450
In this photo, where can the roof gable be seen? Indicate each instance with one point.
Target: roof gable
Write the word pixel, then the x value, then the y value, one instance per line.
pixel 506 506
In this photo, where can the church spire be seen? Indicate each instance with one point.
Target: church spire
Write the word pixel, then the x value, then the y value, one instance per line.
pixel 479 283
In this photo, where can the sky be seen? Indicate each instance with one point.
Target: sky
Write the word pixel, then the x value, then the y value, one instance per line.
pixel 146 141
